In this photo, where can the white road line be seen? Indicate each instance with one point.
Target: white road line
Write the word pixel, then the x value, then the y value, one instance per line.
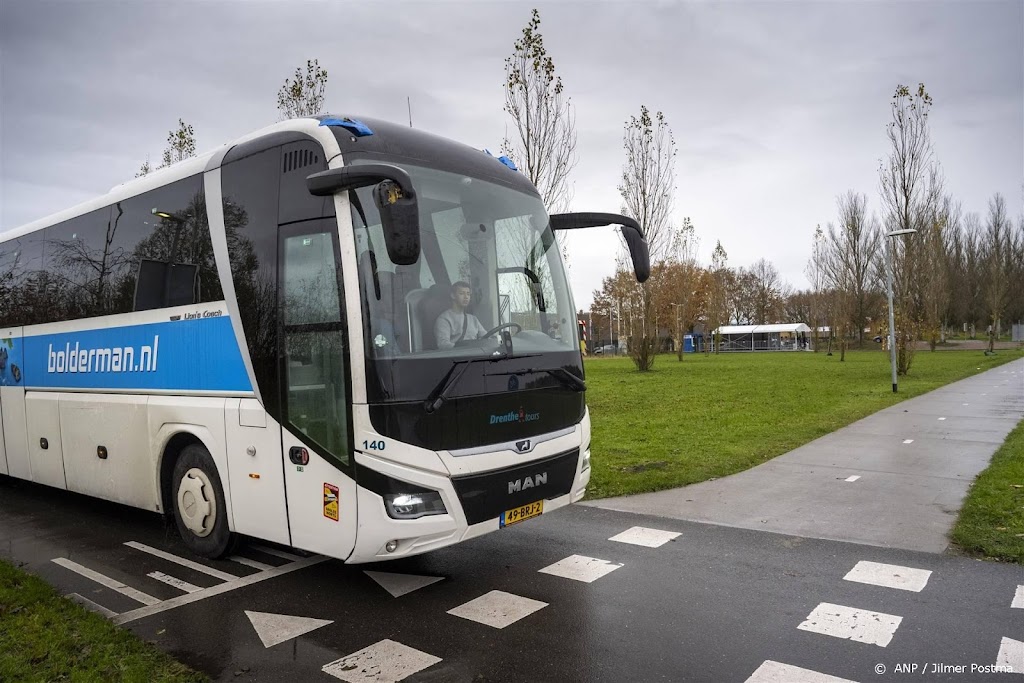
pixel 276 553
pixel 251 563
pixel 651 538
pixel 384 662
pixel 853 478
pixel 908 441
pixel 889 576
pixel 226 587
pixel 172 581
pixel 1011 655
pixel 1018 598
pixel 223 576
pixel 112 584
pixel 854 624
pixel 580 568
pixel 776 672
pixel 90 605
pixel 497 609
pixel 941 419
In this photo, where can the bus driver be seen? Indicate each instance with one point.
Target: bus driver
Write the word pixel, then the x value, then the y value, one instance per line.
pixel 456 324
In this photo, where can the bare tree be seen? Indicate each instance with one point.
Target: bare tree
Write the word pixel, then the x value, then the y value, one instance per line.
pixel 909 185
pixel 998 252
pixel 647 190
pixel 848 257
pixel 815 271
pixel 181 144
pixel 648 178
pixel 543 144
pixel 766 292
pixel 717 313
pixel 934 236
pixel 303 94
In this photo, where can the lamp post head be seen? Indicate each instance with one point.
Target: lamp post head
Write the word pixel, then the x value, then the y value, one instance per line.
pixel 909 231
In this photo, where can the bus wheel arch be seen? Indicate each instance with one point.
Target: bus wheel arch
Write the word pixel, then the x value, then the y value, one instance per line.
pixel 193 496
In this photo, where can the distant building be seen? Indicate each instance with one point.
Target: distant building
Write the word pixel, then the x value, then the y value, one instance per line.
pixel 781 337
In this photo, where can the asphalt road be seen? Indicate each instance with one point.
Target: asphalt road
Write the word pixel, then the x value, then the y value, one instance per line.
pixel 713 603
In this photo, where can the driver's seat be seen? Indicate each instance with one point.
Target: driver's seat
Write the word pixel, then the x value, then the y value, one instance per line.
pixel 425 305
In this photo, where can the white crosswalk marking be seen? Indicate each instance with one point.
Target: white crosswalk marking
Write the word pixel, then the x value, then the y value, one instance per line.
pixel 251 563
pixel 276 553
pixel 776 672
pixel 1011 655
pixel 384 662
pixel 172 581
pixel 223 576
pixel 497 609
pixel 1018 598
pixel 852 478
pixel 851 623
pixel 652 538
pixel 102 579
pixel 580 568
pixel 889 576
pixel 90 605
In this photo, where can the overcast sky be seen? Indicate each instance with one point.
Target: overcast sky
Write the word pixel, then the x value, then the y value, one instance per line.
pixel 777 107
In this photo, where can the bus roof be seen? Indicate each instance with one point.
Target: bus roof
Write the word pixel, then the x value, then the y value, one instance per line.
pixel 416 145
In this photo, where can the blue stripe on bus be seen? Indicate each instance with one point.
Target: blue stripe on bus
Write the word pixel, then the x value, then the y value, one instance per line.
pixel 187 355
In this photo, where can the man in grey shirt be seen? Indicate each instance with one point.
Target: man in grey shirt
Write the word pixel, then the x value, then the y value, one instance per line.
pixel 455 324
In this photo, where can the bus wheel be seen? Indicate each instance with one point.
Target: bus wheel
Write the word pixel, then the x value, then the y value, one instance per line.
pixel 199 509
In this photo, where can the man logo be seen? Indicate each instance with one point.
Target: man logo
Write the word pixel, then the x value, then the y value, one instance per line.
pixel 523 446
pixel 527 483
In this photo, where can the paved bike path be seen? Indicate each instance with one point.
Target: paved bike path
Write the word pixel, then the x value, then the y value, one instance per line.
pixel 896 478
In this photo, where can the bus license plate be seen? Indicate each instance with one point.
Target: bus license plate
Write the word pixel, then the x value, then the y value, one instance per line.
pixel 523 512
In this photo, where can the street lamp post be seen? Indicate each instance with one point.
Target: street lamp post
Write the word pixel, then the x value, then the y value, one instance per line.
pixel 888 278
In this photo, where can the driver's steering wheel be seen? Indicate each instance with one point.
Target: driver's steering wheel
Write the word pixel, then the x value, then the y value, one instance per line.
pixel 499 328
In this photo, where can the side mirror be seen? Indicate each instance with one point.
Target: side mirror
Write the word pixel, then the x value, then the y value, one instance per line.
pixel 631 231
pixel 395 199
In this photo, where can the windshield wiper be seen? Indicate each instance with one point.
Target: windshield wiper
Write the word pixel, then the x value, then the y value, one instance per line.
pixel 567 378
pixel 439 395
pixel 561 374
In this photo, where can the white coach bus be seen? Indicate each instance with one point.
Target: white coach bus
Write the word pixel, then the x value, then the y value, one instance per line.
pixel 250 342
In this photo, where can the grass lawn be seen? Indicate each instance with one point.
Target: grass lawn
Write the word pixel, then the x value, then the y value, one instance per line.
pixel 708 417
pixel 44 637
pixel 991 522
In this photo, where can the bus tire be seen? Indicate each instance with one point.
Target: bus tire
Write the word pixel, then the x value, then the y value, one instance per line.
pixel 200 512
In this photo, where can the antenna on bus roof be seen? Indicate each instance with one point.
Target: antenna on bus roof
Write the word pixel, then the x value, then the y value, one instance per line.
pixel 409 103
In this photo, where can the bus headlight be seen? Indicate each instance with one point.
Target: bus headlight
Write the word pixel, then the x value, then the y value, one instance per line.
pixel 413 505
pixel 586 461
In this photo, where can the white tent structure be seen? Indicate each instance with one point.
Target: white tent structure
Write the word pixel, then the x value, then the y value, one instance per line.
pixel 782 337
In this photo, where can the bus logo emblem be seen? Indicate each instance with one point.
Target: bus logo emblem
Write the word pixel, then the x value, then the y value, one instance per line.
pixel 523 446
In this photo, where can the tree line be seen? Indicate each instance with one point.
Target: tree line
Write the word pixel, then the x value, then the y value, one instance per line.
pixel 951 269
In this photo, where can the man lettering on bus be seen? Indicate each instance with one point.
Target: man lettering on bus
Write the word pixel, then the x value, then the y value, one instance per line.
pixel 456 324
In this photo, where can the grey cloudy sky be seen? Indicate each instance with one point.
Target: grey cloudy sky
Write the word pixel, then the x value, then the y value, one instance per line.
pixel 777 107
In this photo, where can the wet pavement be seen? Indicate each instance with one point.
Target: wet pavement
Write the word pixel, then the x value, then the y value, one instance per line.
pixel 552 599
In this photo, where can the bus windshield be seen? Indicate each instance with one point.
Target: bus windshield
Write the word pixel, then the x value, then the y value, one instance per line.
pixel 489 279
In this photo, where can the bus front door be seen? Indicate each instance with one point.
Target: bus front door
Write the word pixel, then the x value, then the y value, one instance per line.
pixel 316 403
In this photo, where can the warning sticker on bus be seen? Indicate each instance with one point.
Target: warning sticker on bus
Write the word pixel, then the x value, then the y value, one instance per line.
pixel 331 501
